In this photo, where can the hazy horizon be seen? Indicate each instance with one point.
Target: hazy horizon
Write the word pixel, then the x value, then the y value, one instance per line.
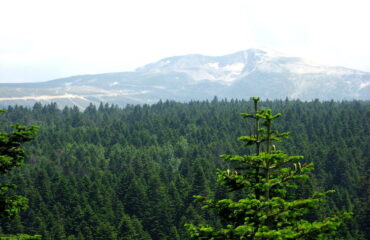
pixel 45 40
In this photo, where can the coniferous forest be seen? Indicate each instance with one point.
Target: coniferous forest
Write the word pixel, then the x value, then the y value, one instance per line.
pixel 112 173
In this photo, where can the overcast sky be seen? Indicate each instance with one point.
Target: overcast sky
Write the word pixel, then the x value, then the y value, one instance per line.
pixel 46 39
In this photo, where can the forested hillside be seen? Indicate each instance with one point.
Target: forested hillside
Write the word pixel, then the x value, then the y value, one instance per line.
pixel 111 173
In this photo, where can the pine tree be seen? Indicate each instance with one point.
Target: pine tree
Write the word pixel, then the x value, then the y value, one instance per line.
pixel 266 178
pixel 11 156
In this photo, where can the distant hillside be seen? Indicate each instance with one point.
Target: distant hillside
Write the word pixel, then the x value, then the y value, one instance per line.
pixel 252 72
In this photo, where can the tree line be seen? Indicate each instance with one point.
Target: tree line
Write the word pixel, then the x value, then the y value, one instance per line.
pixel 131 173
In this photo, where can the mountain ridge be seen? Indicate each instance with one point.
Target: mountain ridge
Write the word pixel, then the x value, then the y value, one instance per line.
pixel 242 74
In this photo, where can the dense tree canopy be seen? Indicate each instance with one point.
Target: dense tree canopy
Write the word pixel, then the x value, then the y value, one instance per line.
pixel 266 210
pixel 112 173
pixel 11 156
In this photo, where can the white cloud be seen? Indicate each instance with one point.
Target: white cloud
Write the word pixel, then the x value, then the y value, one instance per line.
pixel 62 38
pixel 331 32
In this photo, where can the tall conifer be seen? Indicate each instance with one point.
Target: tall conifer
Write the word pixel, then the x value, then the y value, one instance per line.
pixel 266 210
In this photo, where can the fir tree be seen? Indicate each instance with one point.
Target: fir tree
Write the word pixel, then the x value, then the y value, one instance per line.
pixel 266 211
pixel 11 156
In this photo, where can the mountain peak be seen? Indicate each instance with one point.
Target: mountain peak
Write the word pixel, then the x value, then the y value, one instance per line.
pixel 224 69
pixel 252 72
pixel 195 60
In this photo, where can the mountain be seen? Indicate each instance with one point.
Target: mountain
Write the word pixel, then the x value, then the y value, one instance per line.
pixel 253 72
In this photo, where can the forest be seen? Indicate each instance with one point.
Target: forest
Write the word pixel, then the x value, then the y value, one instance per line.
pixel 109 173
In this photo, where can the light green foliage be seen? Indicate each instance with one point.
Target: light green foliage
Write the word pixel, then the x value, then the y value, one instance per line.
pixel 11 156
pixel 21 237
pixel 267 176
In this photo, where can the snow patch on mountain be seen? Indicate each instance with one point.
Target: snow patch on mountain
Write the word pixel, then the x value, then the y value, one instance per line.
pixel 113 84
pixel 164 63
pixel 269 67
pixel 307 67
pixel 39 98
pixel 364 84
pixel 231 68
pixel 214 65
pixel 236 68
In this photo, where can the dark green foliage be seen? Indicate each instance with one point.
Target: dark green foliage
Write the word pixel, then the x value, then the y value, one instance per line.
pixel 12 156
pixel 265 211
pixel 90 171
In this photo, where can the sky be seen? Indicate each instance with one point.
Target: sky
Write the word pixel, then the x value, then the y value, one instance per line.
pixel 42 40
